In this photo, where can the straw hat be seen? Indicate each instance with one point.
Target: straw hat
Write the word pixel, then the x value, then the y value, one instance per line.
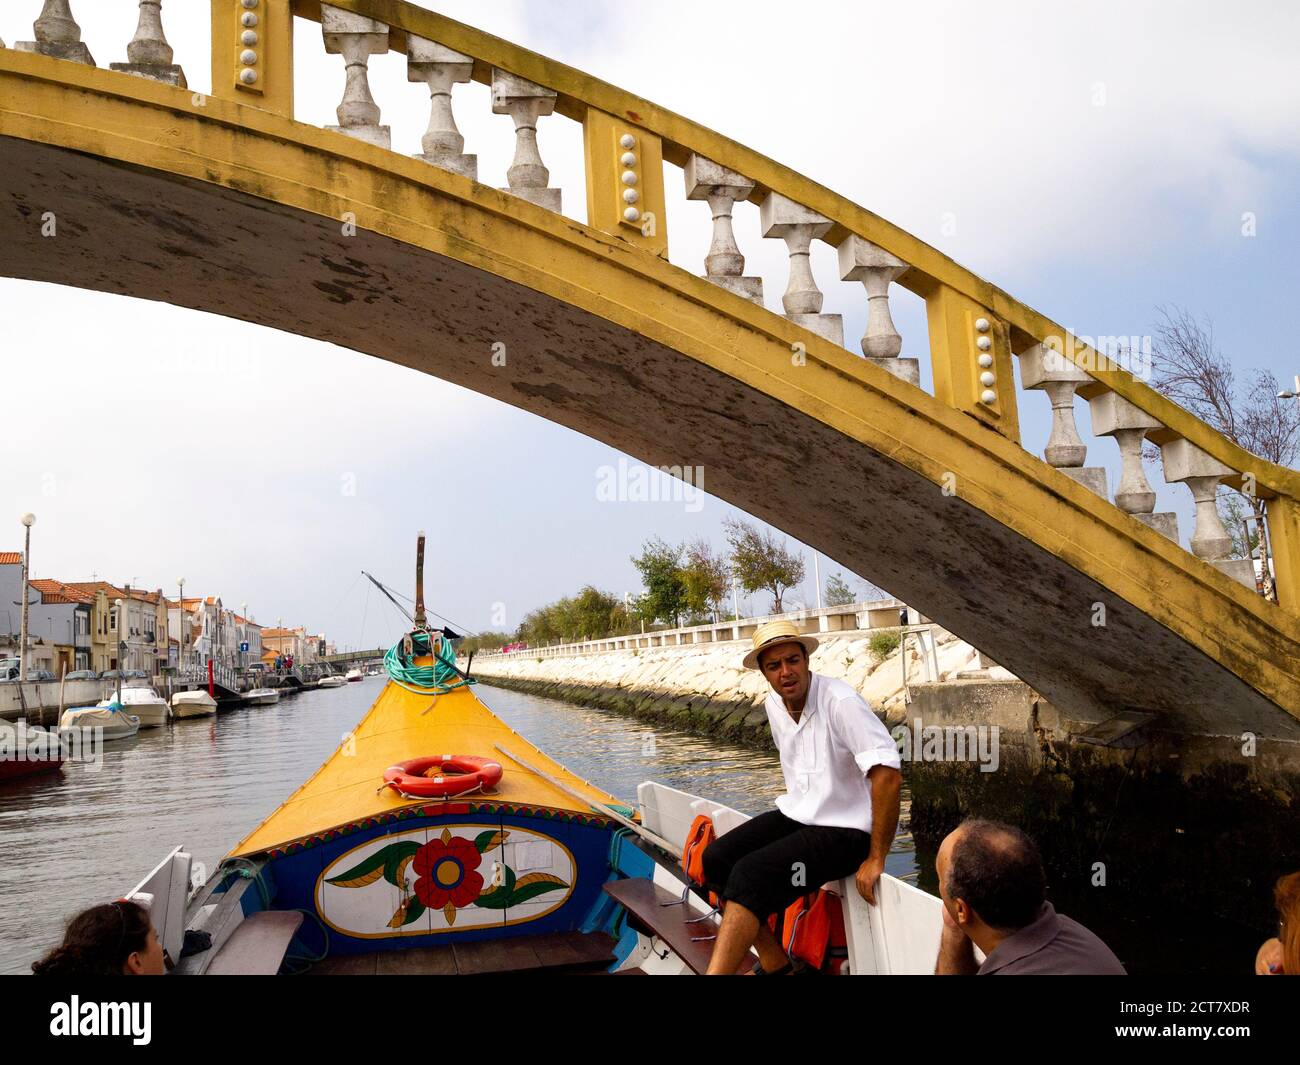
pixel 775 632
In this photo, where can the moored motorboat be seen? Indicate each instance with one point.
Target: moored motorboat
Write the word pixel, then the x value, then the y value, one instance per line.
pixel 262 697
pixel 28 750
pixel 332 682
pixel 144 703
pixel 354 676
pixel 116 723
pixel 186 705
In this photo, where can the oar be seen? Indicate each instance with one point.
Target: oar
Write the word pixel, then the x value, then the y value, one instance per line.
pixel 605 811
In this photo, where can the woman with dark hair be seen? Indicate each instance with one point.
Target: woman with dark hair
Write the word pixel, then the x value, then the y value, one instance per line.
pixel 1281 956
pixel 113 940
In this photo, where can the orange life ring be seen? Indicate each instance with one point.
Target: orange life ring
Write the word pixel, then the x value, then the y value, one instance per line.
pixel 425 778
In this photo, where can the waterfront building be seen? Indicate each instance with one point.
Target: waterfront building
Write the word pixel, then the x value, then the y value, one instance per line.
pixel 247 632
pixel 58 624
pixel 135 641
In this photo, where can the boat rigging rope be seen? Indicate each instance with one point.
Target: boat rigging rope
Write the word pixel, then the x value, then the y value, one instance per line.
pixel 438 679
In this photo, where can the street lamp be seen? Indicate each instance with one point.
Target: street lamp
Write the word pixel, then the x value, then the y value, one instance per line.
pixel 1291 395
pixel 180 624
pixel 121 646
pixel 28 521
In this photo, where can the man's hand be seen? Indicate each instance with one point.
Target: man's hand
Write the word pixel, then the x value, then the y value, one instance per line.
pixel 869 874
pixel 956 951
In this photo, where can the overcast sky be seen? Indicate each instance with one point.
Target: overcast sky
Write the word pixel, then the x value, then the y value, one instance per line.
pixel 1097 162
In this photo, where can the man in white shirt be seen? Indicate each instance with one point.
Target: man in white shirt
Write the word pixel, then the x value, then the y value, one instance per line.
pixel 836 819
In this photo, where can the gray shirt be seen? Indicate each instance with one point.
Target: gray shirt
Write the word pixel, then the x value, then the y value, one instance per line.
pixel 1052 945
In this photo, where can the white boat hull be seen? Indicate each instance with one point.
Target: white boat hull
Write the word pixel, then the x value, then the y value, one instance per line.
pixel 264 697
pixel 145 704
pixel 332 682
pixel 186 705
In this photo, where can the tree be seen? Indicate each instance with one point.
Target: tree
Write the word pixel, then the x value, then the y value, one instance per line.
pixel 761 562
pixel 485 641
pixel 838 593
pixel 705 575
pixel 1189 368
pixel 660 566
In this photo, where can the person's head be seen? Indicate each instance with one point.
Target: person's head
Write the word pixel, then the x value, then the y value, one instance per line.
pixel 781 654
pixel 111 940
pixel 785 665
pixel 1287 897
pixel 991 878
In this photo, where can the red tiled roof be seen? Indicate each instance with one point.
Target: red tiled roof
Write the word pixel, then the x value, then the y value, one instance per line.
pixel 53 591
pixel 11 558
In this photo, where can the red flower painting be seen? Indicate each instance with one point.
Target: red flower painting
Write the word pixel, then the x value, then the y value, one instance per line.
pixel 447 877
pixel 447 872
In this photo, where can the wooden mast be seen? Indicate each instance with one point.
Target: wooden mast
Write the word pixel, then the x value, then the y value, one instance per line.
pixel 420 621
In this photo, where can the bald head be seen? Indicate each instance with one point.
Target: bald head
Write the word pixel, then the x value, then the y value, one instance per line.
pixel 996 870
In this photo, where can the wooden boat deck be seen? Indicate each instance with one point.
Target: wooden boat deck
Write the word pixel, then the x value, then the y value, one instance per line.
pixel 574 952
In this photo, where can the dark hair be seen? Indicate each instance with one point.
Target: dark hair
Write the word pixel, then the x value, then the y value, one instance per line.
pixel 98 941
pixel 997 871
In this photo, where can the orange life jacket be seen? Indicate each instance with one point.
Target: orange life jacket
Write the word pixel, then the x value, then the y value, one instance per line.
pixel 701 834
pixel 814 931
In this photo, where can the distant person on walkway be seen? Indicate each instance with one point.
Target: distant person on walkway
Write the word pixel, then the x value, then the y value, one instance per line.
pixel 113 940
pixel 1281 956
pixel 836 819
pixel 994 889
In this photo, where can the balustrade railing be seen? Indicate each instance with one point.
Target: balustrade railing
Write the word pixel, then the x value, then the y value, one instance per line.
pixel 976 332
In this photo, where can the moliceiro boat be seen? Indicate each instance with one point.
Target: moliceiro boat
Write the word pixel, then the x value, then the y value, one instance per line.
pixel 399 856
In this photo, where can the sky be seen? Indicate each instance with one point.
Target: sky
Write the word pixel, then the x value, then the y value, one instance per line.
pixel 1097 161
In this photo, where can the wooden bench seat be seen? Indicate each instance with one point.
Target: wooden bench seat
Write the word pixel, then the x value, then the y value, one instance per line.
pixel 655 908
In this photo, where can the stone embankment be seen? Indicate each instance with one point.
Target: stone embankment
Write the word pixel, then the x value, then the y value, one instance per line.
pixel 705 689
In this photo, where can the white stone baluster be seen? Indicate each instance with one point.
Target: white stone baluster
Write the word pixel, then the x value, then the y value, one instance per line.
pixel 526 102
pixel 722 188
pixel 57 35
pixel 1115 416
pixel 149 55
pixel 860 260
pixel 356 38
pixel 1185 462
pixel 1046 369
pixel 441 68
pixel 799 227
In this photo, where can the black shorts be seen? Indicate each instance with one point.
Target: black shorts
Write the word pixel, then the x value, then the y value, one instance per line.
pixel 770 861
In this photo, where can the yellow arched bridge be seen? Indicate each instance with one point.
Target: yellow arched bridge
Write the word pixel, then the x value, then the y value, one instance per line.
pixel 225 203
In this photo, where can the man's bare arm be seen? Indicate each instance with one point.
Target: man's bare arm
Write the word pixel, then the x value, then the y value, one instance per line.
pixel 886 785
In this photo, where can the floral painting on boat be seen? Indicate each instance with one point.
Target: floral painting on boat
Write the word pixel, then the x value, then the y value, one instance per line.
pixel 445 879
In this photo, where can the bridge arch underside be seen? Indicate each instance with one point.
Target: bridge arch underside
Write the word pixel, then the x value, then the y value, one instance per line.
pixel 201 244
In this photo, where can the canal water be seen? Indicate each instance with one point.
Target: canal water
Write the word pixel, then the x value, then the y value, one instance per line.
pixel 84 836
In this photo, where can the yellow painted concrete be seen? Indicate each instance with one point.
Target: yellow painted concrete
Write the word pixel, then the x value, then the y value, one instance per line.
pixel 955 356
pixel 263 154
pixel 602 135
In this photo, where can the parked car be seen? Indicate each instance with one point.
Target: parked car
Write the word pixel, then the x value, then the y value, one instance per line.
pixel 40 675
pixel 8 669
pixel 83 674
